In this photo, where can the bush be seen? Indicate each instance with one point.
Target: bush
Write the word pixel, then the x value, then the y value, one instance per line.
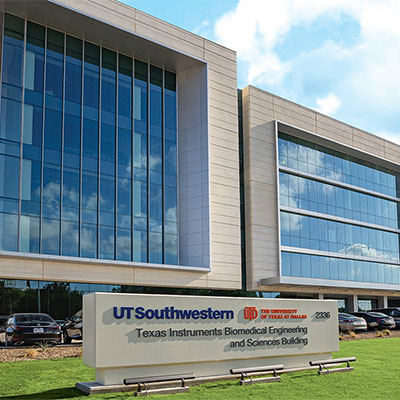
pixel 31 353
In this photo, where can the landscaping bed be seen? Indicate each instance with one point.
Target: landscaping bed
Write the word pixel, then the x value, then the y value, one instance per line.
pixel 39 353
pixel 369 335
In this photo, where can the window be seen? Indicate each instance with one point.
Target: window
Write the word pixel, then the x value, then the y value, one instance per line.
pixel 99 150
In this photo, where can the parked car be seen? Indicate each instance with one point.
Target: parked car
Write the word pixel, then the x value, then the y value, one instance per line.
pixel 31 328
pixel 3 321
pixel 392 312
pixel 72 329
pixel 376 320
pixel 348 322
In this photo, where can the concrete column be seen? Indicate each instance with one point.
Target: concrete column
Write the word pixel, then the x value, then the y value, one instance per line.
pixel 382 301
pixel 353 303
pixel 320 296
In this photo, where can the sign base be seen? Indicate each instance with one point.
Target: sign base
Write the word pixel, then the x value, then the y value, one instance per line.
pixel 115 376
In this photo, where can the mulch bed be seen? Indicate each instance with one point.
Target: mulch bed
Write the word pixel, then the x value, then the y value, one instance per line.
pixel 368 335
pixel 38 353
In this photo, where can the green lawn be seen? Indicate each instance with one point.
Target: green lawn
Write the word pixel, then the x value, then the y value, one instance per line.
pixel 376 376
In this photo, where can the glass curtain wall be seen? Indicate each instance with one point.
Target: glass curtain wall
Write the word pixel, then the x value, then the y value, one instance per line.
pixel 88 150
pixel 359 223
pixel 10 130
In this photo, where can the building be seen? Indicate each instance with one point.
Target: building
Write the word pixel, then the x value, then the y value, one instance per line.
pixel 126 163
pixel 332 191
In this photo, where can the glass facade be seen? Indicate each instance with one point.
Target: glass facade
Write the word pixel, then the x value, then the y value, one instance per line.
pixel 337 237
pixel 310 207
pixel 320 267
pixel 88 150
pixel 308 194
pixel 314 159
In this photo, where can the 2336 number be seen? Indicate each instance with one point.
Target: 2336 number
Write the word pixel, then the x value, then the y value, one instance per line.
pixel 322 315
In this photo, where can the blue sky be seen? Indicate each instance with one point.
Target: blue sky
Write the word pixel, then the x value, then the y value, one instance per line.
pixel 340 57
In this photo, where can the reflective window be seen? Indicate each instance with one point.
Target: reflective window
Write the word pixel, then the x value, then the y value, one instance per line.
pixel 70 239
pixel 123 242
pixel 99 149
pixel 29 234
pixel 314 159
pixel 31 187
pixel 155 248
pixel 54 63
pixel 52 129
pixel 73 70
pixel 13 50
pixel 9 174
pixel 32 127
pixel 34 58
pixel 307 194
pixel 10 124
pixel 140 246
pixel 50 236
pixel 106 243
pixel 71 187
pixel 319 267
pixel 88 241
pixel 8 232
pixel 320 234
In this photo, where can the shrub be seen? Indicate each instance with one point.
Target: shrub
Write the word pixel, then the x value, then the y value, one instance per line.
pixel 31 353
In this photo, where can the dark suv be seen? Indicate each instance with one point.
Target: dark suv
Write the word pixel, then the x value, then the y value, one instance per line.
pixel 393 312
pixel 72 329
pixel 31 328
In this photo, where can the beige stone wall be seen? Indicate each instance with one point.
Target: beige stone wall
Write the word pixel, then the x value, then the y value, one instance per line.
pixel 224 204
pixel 260 110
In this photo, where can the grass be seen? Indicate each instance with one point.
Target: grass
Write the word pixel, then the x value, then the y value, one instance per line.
pixel 375 376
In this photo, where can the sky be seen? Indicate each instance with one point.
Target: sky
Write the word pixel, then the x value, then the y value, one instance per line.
pixel 340 57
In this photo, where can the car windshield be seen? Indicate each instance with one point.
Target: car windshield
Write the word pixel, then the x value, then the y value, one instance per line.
pixel 345 315
pixel 33 317
pixel 377 314
pixel 77 315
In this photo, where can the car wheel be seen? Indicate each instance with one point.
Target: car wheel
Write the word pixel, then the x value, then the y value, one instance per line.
pixel 8 342
pixel 65 338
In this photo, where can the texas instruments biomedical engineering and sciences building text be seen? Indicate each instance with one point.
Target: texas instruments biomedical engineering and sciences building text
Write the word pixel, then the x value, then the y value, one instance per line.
pixel 130 162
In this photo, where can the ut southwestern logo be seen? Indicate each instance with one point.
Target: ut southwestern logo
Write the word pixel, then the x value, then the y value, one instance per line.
pixel 171 313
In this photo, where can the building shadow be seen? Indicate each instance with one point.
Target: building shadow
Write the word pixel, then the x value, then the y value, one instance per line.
pixel 60 393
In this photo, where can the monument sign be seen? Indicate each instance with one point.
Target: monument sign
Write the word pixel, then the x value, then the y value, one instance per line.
pixel 130 335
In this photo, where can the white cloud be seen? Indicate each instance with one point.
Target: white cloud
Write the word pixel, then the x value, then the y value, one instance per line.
pixel 362 72
pixel 203 29
pixel 328 104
